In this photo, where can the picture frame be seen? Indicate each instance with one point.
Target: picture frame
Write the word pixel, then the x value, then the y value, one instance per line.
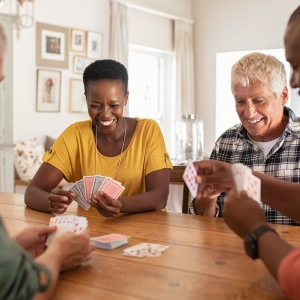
pixel 94 45
pixel 77 97
pixel 48 90
pixel 78 40
pixel 52 46
pixel 79 64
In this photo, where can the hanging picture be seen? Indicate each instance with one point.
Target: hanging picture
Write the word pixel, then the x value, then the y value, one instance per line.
pixel 77 97
pixel 48 91
pixel 77 40
pixel 51 46
pixel 94 45
pixel 79 64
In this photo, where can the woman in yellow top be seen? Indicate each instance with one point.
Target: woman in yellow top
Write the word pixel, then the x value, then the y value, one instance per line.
pixel 129 150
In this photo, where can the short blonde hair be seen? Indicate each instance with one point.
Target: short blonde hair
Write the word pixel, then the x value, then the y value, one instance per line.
pixel 262 67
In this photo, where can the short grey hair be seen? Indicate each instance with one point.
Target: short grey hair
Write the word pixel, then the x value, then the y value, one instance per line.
pixel 262 67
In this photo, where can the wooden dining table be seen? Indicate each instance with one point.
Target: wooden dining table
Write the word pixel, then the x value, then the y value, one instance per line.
pixel 205 259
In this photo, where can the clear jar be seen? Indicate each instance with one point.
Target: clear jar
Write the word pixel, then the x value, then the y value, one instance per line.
pixel 189 139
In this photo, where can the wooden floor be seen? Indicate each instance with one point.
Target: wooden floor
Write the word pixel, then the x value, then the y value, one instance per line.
pixel 205 259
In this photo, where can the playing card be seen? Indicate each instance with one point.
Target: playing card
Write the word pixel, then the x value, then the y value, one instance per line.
pixel 245 180
pixel 80 185
pixel 61 228
pixel 88 185
pixel 145 250
pixel 189 177
pixel 252 185
pixel 79 198
pixel 106 181
pixel 98 181
pixel 113 189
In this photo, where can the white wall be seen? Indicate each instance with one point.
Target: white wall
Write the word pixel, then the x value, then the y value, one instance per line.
pixel 231 25
pixel 90 15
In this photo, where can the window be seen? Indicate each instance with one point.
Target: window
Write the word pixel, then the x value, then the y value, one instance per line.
pixel 150 89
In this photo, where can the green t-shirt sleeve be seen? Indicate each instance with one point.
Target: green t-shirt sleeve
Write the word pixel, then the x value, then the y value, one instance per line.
pixel 20 274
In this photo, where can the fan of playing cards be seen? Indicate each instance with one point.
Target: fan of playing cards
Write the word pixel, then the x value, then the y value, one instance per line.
pixel 90 185
pixel 64 224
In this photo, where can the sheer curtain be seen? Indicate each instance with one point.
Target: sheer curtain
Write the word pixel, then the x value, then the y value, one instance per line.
pixel 184 53
pixel 119 36
pixel 185 95
pixel 119 33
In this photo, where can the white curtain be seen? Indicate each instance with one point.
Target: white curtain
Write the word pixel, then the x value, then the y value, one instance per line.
pixel 119 33
pixel 119 37
pixel 185 95
pixel 184 53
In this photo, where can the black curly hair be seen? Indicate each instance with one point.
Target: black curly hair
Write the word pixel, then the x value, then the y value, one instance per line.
pixel 105 69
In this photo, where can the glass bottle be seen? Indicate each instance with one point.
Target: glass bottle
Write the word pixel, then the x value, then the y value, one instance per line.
pixel 189 139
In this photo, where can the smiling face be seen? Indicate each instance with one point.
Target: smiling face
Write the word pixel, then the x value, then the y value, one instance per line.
pixel 292 52
pixel 260 110
pixel 106 100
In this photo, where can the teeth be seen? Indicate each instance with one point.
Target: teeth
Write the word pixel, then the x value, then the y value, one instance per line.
pixel 253 121
pixel 106 123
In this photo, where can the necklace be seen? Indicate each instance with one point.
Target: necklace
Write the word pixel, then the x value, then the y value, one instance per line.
pixel 121 154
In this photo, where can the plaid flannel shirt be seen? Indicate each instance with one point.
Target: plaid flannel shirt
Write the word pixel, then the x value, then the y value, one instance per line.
pixel 283 160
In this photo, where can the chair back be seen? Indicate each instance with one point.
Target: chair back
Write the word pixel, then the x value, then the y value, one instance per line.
pixel 176 178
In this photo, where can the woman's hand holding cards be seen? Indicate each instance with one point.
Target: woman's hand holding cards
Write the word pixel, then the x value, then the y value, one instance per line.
pixel 59 200
pixel 106 206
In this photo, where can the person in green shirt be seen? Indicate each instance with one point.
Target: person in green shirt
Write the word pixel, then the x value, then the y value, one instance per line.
pixel 29 270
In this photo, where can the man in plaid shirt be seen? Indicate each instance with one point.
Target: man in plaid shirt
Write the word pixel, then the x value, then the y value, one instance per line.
pixel 268 138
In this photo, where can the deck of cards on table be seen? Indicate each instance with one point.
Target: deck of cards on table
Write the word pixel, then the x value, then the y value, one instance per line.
pixel 110 241
pixel 145 250
pixel 189 177
pixel 245 180
pixel 64 224
pixel 91 185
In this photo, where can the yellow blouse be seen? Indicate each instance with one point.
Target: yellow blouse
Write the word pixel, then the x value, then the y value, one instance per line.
pixel 74 153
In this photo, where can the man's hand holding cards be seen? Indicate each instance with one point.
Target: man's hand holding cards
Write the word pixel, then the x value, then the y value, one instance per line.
pixel 245 180
pixel 85 188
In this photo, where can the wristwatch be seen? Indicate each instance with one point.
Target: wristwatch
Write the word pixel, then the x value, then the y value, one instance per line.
pixel 251 240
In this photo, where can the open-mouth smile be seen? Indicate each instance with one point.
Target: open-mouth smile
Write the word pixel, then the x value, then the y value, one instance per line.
pixel 106 123
pixel 254 121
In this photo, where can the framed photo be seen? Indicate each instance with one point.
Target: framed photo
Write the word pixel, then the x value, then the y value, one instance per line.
pixel 79 64
pixel 94 45
pixel 77 97
pixel 52 46
pixel 48 90
pixel 78 40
